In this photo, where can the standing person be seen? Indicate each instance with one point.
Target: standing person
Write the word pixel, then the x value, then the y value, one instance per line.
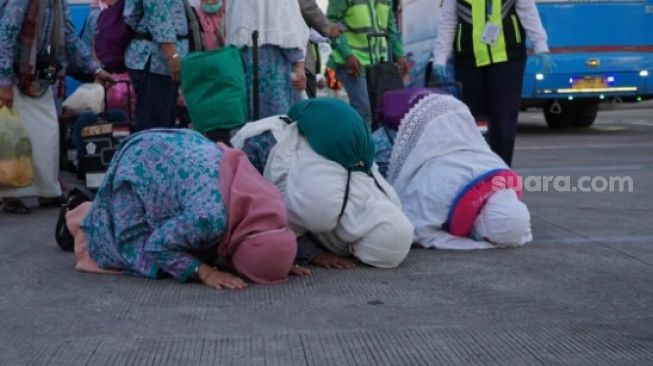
pixel 283 35
pixel 317 20
pixel 172 201
pixel 211 16
pixel 489 59
pixel 37 39
pixel 90 23
pixel 153 58
pixel 350 53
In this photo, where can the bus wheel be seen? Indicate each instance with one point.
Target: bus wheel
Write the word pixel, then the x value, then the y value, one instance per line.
pixel 560 114
pixel 586 112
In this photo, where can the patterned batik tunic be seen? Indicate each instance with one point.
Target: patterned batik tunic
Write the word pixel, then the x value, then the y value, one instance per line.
pixel 165 21
pixel 258 148
pixel 12 14
pixel 89 30
pixel 384 140
pixel 275 66
pixel 158 203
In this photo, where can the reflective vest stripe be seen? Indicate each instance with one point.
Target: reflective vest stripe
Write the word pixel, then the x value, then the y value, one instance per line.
pixel 363 17
pixel 514 24
pixel 505 8
pixel 465 14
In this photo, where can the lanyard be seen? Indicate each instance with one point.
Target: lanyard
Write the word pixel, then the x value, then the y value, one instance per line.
pixel 488 9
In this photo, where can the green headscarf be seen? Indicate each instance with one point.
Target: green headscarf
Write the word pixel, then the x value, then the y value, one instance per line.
pixel 336 131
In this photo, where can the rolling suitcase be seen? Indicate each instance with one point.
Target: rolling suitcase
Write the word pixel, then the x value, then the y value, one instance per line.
pixel 381 76
pixel 256 95
pixel 100 142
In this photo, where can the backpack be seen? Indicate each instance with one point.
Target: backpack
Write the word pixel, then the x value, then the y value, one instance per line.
pixel 112 38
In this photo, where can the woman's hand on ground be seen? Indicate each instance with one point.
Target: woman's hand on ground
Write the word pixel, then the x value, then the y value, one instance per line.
pixel 298 270
pixel 211 277
pixel 328 260
pixel 7 97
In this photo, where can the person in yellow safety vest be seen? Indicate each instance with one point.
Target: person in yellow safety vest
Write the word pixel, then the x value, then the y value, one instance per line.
pixel 489 59
pixel 350 53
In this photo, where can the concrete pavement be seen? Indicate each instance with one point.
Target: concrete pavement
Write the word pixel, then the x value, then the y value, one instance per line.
pixel 580 294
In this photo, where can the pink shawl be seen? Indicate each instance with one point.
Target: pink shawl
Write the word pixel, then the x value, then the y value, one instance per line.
pixel 253 204
pixel 257 240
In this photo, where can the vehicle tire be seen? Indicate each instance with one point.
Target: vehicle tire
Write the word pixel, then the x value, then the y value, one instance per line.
pixel 566 118
pixel 586 112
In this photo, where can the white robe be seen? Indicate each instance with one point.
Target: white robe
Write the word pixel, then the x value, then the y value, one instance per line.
pixel 279 23
pixel 430 165
pixel 372 227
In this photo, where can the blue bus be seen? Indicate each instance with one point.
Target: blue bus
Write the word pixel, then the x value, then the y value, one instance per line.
pixel 603 50
pixel 78 11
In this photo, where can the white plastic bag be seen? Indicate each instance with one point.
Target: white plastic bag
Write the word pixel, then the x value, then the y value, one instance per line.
pixel 87 98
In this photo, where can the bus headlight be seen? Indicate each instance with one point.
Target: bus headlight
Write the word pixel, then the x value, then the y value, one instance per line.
pixel 541 76
pixel 643 73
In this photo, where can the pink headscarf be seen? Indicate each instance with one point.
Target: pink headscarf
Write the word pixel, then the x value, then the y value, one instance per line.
pixel 213 27
pixel 257 239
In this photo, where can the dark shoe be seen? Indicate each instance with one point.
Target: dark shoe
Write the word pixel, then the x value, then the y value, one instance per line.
pixel 15 206
pixel 64 238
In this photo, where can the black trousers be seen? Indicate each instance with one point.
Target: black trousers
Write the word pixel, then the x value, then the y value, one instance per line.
pixel 156 99
pixel 494 92
pixel 219 135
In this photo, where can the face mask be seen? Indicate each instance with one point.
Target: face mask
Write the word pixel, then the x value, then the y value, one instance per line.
pixel 212 8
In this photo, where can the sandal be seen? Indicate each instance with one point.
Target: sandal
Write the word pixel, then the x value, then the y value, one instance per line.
pixel 62 235
pixel 15 206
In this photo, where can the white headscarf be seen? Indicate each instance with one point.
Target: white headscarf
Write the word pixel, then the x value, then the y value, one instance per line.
pixel 439 127
pixel 504 220
pixel 279 23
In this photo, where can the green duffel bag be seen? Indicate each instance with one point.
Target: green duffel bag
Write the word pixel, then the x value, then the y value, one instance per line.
pixel 214 87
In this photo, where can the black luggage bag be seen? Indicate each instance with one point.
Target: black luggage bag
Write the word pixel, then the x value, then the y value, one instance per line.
pixel 381 76
pixel 101 140
pixel 454 88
